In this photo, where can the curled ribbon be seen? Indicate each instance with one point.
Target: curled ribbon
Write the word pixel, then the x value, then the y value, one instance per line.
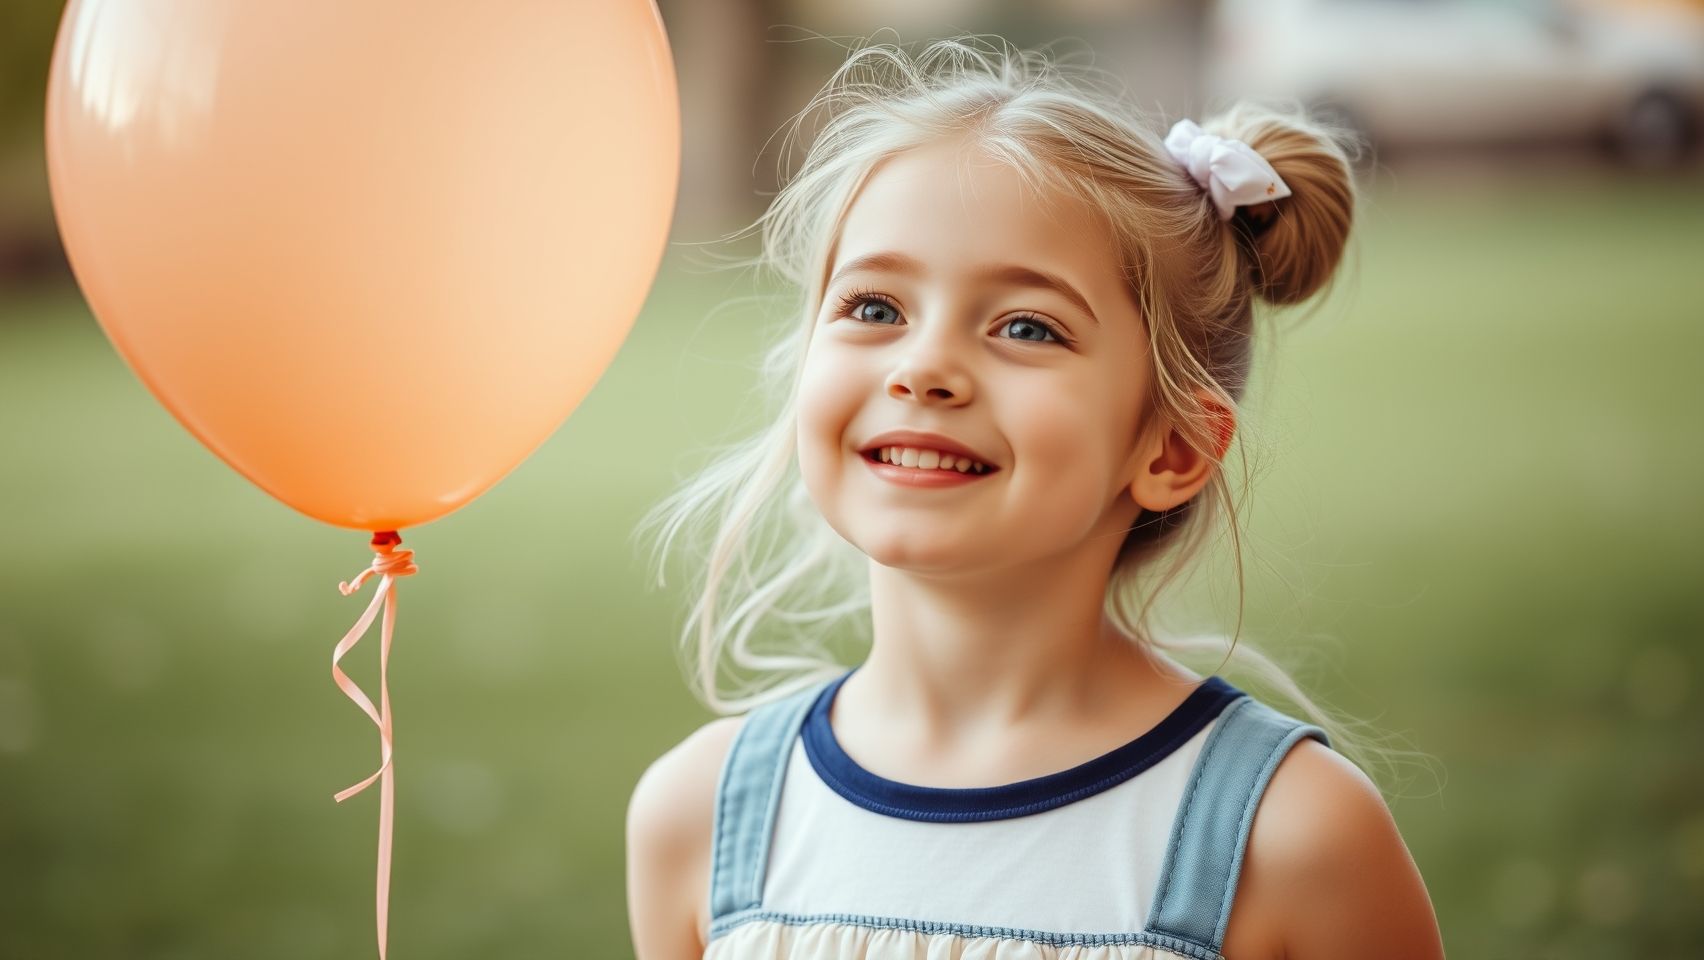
pixel 389 563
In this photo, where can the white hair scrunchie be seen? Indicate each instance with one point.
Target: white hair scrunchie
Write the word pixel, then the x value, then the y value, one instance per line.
pixel 1231 170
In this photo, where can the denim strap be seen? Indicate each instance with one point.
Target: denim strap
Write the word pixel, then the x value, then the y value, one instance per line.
pixel 748 793
pixel 1198 878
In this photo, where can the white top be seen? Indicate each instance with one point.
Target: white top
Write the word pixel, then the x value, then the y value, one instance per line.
pixel 1088 865
pixel 817 858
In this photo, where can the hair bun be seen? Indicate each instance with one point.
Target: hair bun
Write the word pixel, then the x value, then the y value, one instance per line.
pixel 1294 243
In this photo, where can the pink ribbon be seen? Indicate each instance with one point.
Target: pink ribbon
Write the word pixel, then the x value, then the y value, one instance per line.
pixel 389 564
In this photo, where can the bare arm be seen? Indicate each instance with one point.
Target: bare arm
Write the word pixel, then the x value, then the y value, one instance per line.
pixel 1336 880
pixel 669 823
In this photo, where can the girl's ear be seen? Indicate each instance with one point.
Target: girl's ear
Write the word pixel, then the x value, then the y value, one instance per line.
pixel 1168 469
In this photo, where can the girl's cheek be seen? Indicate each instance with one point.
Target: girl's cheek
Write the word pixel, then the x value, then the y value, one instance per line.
pixel 826 406
pixel 835 376
pixel 1048 419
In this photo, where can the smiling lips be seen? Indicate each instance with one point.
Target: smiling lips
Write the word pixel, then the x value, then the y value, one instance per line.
pixel 921 441
pixel 921 458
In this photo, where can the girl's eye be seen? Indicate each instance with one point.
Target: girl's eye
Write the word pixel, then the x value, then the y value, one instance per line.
pixel 870 307
pixel 853 304
pixel 1035 323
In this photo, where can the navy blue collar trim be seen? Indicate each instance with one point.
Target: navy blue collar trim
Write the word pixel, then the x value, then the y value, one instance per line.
pixel 1025 797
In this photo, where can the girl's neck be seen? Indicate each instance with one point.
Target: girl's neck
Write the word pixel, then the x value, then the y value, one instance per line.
pixel 956 662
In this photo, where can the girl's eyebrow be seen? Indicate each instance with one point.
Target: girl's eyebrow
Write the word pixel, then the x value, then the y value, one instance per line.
pixel 1010 274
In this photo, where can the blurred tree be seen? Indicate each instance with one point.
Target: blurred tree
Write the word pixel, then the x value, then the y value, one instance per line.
pixel 29 243
pixel 726 63
pixel 747 66
pixel 27 29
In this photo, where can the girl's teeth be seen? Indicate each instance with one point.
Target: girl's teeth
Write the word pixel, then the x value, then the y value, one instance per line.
pixel 928 460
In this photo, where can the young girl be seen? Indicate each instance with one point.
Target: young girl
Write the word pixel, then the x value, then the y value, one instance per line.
pixel 1026 324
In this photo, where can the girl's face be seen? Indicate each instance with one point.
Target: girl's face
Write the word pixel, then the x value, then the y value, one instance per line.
pixel 960 306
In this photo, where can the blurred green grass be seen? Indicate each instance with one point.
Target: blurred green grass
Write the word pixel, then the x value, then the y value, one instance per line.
pixel 1478 517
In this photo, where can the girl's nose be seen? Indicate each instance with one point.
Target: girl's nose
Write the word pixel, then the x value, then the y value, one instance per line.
pixel 931 372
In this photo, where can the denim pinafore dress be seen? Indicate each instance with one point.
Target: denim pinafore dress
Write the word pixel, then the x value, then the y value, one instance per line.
pixel 1133 855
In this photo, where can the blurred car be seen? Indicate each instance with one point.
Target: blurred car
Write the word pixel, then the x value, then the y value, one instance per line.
pixel 1408 72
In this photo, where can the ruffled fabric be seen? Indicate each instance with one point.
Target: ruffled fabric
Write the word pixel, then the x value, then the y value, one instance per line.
pixel 774 940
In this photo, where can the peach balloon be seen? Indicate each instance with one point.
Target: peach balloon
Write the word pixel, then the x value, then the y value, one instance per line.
pixel 371 254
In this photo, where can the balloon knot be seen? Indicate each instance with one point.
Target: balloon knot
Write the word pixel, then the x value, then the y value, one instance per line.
pixel 390 559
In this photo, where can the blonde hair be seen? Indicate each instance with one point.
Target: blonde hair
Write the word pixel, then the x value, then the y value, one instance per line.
pixel 1196 277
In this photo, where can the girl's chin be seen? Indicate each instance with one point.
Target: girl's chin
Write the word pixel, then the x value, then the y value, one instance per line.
pixel 917 549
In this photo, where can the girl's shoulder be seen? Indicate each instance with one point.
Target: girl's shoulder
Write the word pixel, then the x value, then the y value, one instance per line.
pixel 1326 873
pixel 670 824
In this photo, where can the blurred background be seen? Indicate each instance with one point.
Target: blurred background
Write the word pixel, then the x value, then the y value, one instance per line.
pixel 1477 525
